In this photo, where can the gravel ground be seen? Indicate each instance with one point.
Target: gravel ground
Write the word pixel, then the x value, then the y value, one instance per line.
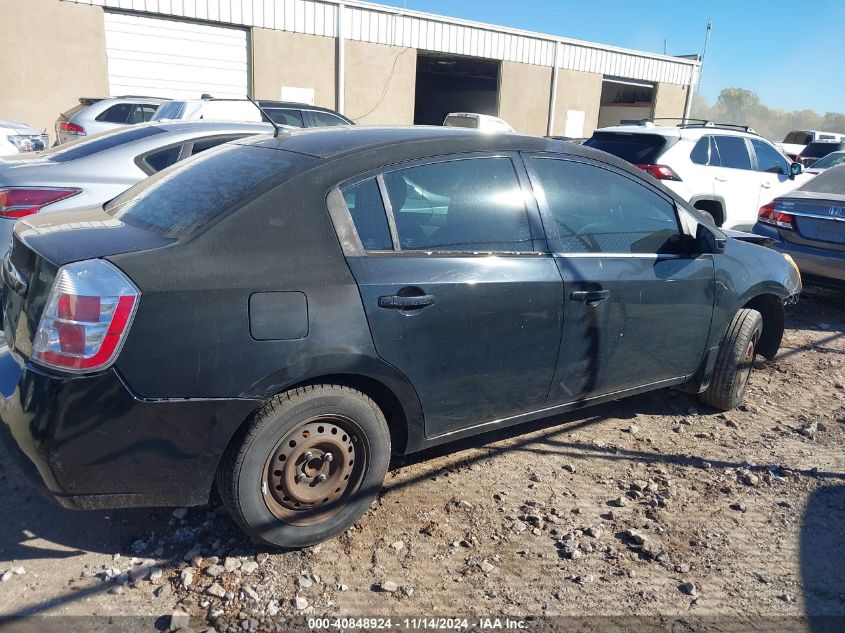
pixel 652 505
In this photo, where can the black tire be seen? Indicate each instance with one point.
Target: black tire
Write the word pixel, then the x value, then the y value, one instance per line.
pixel 734 361
pixel 250 469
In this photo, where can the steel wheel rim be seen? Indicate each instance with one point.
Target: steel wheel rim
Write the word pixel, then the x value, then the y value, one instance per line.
pixel 748 365
pixel 313 469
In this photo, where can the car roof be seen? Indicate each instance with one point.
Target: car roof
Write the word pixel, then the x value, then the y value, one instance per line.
pixel 270 103
pixel 689 131
pixel 405 143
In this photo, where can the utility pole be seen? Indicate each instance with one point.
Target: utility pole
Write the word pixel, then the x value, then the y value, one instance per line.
pixel 703 53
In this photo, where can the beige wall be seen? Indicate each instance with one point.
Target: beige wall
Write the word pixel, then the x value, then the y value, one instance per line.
pixel 577 91
pixel 670 100
pixel 292 59
pixel 51 53
pixel 379 84
pixel 524 91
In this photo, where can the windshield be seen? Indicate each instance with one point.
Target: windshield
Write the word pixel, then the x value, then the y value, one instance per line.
pixel 638 149
pixel 836 158
pixel 182 198
pixel 98 143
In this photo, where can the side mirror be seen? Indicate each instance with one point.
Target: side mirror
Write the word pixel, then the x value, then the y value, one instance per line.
pixel 796 169
pixel 710 240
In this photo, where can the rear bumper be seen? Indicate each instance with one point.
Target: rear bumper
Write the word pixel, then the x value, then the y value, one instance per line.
pixel 90 443
pixel 817 265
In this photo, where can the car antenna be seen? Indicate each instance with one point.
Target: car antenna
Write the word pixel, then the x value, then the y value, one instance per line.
pixel 276 127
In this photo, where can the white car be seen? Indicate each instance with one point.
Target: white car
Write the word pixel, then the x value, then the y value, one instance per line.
pixel 797 140
pixel 208 109
pixel 728 172
pixel 16 138
pixel 93 115
pixel 481 122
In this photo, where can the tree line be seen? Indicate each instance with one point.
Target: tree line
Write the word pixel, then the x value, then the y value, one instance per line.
pixel 743 107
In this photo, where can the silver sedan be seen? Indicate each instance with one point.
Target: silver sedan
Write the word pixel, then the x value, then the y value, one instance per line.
pixel 92 171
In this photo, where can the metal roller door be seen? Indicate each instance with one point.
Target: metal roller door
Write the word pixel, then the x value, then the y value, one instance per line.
pixel 174 58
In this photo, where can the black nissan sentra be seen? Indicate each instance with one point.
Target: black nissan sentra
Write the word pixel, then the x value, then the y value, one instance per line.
pixel 278 316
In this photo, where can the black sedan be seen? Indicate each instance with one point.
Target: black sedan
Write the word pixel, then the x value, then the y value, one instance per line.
pixel 282 313
pixel 809 225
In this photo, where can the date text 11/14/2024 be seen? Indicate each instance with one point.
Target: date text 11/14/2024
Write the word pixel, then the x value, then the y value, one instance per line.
pixel 415 624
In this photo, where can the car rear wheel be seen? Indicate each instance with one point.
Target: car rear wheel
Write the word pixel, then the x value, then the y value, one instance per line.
pixel 306 466
pixel 734 361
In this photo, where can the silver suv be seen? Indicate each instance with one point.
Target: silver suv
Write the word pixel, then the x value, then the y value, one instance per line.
pixel 97 114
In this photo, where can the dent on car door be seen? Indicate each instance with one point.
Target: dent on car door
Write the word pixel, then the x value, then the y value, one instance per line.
pixel 459 294
pixel 637 304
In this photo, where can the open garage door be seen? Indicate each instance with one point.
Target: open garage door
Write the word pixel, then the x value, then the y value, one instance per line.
pixel 454 83
pixel 175 58
pixel 623 101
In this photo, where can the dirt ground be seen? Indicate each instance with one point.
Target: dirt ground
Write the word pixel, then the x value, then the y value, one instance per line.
pixel 652 505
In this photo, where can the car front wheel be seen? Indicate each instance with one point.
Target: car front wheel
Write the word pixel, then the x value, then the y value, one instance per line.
pixel 306 466
pixel 734 361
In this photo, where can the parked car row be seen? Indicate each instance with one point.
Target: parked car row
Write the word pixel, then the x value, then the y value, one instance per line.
pixel 282 313
pixel 795 142
pixel 725 171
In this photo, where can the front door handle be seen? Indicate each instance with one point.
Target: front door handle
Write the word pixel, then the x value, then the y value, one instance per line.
pixel 766 185
pixel 398 302
pixel 720 179
pixel 591 297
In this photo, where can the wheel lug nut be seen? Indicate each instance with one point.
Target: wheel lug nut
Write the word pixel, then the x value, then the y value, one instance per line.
pixel 320 478
pixel 328 457
pixel 299 477
pixel 308 456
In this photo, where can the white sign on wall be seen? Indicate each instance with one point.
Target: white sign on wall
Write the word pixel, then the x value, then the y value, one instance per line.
pixel 298 95
pixel 574 124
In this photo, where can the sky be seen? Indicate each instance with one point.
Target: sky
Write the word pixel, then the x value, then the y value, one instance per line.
pixel 792 54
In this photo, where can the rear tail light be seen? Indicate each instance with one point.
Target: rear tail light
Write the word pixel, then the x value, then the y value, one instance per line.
pixel 661 172
pixel 87 317
pixel 17 202
pixel 768 215
pixel 71 128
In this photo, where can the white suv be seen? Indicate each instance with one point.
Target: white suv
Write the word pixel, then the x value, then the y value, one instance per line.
pixel 728 172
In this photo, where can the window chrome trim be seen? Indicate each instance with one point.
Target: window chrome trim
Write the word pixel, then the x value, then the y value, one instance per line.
pixel 622 255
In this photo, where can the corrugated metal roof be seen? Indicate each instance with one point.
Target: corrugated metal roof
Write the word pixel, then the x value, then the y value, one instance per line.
pixel 381 24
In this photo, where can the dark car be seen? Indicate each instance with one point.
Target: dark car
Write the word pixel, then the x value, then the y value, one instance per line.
pixel 281 314
pixel 302 115
pixel 809 225
pixel 819 149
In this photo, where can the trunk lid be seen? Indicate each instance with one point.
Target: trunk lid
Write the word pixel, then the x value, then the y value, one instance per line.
pixel 41 244
pixel 819 220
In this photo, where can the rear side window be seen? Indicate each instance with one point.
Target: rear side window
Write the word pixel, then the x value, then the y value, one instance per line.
pixel 704 152
pixel 769 159
pixel 733 152
pixel 367 210
pixel 471 205
pixel 325 119
pixel 798 138
pixel 98 143
pixel 164 158
pixel 180 200
pixel 286 117
pixel 639 149
pixel 116 114
pixel 599 211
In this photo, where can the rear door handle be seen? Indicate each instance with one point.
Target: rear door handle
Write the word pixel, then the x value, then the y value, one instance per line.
pixel 590 297
pixel 398 302
pixel 766 185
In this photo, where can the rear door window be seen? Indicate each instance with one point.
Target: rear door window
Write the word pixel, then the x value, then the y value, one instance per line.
pixel 119 113
pixel 597 210
pixel 769 159
pixel 464 205
pixel 161 159
pixel 733 152
pixel 639 149
pixel 286 116
pixel 325 119
pixel 178 201
pixel 365 205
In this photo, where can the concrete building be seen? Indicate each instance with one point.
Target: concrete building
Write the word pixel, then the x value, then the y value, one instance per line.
pixel 376 64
